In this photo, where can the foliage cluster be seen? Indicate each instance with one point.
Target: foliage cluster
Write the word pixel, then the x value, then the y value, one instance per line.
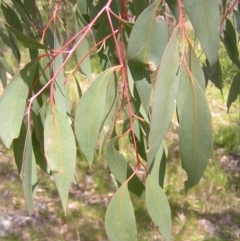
pixel 149 68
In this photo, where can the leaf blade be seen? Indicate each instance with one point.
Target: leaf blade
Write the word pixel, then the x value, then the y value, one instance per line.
pixel 120 219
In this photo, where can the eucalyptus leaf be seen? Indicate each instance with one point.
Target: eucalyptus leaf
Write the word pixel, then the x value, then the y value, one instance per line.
pixel 120 220
pixel 13 102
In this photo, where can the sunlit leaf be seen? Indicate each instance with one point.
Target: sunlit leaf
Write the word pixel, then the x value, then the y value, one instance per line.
pixel 205 18
pixel 121 170
pixel 24 39
pixel 195 131
pixel 60 151
pixel 13 102
pixel 90 113
pixel 165 91
pixel 158 207
pixel 120 220
pixel 234 90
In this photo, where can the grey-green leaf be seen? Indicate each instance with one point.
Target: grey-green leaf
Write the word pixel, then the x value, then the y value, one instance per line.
pixel 121 170
pixel 158 207
pixel 60 151
pixel 13 102
pixel 195 131
pixel 120 220
pixel 90 113
pixel 205 18
pixel 165 91
pixel 234 90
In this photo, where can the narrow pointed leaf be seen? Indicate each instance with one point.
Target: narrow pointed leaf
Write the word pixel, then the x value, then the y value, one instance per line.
pixel 13 102
pixel 83 49
pixel 158 207
pixel 236 20
pixel 121 170
pixel 120 220
pixel 165 92
pixel 60 151
pixel 3 77
pixel 5 65
pixel 205 18
pixel 90 113
pixel 59 86
pixel 195 132
pixel 234 90
pixel 230 43
pixel 24 39
pixel 26 172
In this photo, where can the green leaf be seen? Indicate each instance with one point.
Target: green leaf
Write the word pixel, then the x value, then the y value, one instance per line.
pixel 60 151
pixel 24 39
pixel 205 18
pixel 158 207
pixel 234 90
pixel 195 131
pixel 165 91
pixel 83 48
pixel 13 102
pixel 59 86
pixel 236 20
pixel 90 113
pixel 121 170
pixel 5 65
pixel 110 110
pixel 120 220
pixel 27 171
pixel 153 32
pixel 3 77
pixel 230 43
pixel 158 166
pixel 8 41
pixel 172 4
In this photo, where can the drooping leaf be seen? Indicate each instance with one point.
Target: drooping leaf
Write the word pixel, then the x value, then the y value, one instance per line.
pixel 153 32
pixel 205 18
pixel 60 151
pixel 165 91
pixel 120 220
pixel 59 86
pixel 13 102
pixel 158 207
pixel 230 41
pixel 5 65
pixel 158 166
pixel 11 17
pixel 27 171
pixel 234 90
pixel 236 20
pixel 83 49
pixel 121 170
pixel 110 110
pixel 3 77
pixel 90 113
pixel 20 9
pixel 24 39
pixel 195 131
pixel 8 41
pixel 172 4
